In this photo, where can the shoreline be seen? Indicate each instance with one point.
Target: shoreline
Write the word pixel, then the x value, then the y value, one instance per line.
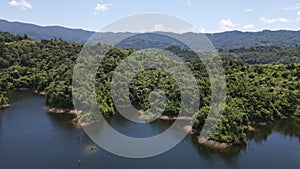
pixel 214 144
pixel 40 93
pixel 165 117
pixel 294 118
pixel 207 142
pixel 143 116
pixel 60 110
pixel 22 89
pixel 251 127
pixel 4 106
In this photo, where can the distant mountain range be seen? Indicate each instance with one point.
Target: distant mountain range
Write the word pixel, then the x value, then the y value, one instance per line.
pixel 225 40
pixel 45 32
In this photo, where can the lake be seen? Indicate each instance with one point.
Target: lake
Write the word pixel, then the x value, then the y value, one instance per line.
pixel 32 138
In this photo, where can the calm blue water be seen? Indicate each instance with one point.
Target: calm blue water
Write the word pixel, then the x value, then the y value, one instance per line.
pixel 32 138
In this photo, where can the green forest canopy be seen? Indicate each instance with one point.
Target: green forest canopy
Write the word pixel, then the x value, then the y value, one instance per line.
pixel 262 82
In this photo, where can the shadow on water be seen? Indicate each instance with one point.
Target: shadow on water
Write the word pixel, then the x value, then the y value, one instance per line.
pixel 229 155
pixel 65 119
pixel 138 130
pixel 16 96
pixel 286 127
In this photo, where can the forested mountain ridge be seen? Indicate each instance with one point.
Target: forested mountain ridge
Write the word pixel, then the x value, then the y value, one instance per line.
pixel 45 32
pixel 257 93
pixel 264 54
pixel 225 40
pixel 237 39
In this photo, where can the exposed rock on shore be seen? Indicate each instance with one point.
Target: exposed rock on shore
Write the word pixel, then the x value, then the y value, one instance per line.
pixel 214 144
pixel 60 110
pixel 4 106
pixel 22 89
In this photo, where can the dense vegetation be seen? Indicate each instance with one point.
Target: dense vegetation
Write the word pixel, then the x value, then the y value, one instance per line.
pixel 263 92
pixel 259 93
pixel 44 66
pixel 264 54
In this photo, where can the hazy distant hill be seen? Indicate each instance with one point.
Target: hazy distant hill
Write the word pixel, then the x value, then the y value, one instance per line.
pixel 225 40
pixel 47 32
pixel 237 39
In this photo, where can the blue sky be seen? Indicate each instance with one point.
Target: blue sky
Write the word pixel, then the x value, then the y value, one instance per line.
pixel 206 15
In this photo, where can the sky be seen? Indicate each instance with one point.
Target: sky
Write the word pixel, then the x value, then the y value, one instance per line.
pixel 207 16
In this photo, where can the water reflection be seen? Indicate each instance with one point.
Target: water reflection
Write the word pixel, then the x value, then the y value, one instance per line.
pixel 229 155
pixel 287 127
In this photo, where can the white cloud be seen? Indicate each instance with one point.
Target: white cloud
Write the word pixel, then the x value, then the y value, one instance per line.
pixel 102 7
pixel 191 29
pixel 284 20
pixel 298 13
pixel 249 10
pixel 22 4
pixel 293 7
pixel 247 27
pixel 188 2
pixel 162 28
pixel 227 24
pixel 194 30
pixel 159 27
pixel 273 20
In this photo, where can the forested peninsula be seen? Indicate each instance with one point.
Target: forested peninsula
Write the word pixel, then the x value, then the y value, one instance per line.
pixel 262 82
